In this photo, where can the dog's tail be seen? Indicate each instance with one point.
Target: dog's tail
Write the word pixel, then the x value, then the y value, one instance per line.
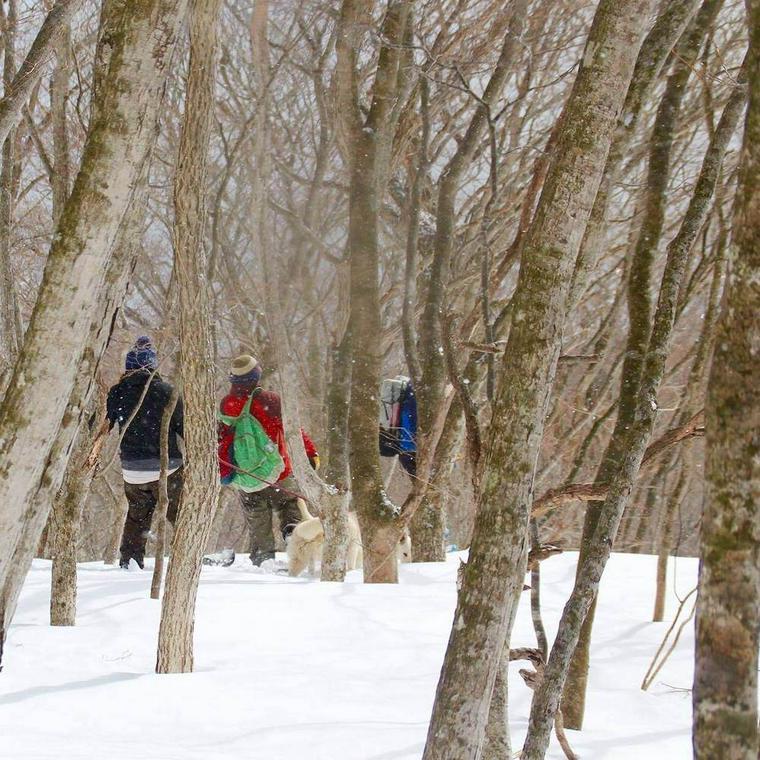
pixel 309 530
pixel 305 514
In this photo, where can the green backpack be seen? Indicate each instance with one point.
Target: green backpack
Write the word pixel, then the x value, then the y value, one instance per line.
pixel 255 457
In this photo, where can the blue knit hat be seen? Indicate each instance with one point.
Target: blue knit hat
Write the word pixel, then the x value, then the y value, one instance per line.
pixel 245 370
pixel 142 355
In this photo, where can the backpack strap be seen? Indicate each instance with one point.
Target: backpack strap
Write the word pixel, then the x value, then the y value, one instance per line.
pixel 254 393
pixel 246 410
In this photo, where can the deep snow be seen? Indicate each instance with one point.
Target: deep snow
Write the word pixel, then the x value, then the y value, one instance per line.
pixel 293 669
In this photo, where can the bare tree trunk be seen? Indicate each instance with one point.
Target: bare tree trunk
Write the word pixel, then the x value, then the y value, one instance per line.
pixel 10 340
pixel 547 697
pixel 335 514
pixel 639 297
pixel 201 475
pixel 535 595
pixel 657 46
pixel 63 523
pixel 428 522
pixel 115 152
pixel 118 515
pixel 162 507
pixel 488 602
pixel 431 382
pixel 369 139
pixel 725 690
pixel 497 744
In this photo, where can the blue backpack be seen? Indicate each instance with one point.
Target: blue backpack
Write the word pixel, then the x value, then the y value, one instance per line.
pixel 398 418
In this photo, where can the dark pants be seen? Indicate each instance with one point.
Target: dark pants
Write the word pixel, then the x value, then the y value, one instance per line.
pixel 142 501
pixel 258 508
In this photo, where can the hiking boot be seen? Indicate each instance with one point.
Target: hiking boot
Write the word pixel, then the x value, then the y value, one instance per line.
pixel 258 557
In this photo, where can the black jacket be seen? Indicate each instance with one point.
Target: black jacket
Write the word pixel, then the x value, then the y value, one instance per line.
pixel 140 446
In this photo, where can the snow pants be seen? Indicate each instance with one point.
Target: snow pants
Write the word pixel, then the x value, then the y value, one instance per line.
pixel 258 508
pixel 142 500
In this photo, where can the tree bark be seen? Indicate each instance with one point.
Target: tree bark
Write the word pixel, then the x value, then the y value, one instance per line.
pixel 201 476
pixel 547 697
pixel 65 520
pixel 67 508
pixel 665 33
pixel 162 507
pixel 115 151
pixel 499 547
pixel 369 139
pixel 639 299
pixel 335 515
pixel 428 358
pixel 497 744
pixel 10 339
pixel 725 690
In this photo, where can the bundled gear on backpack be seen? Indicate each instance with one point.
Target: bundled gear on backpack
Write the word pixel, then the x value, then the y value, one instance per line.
pixel 254 459
pixel 398 421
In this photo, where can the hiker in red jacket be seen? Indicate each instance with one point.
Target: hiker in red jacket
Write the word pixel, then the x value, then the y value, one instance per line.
pixel 280 497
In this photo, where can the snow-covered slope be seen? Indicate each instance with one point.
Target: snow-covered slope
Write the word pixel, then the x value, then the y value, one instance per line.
pixel 292 669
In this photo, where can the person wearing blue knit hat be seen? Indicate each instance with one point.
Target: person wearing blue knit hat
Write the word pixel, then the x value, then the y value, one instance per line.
pixel 140 445
pixel 142 355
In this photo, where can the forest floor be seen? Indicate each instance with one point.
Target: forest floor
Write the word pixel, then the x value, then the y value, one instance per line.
pixel 293 669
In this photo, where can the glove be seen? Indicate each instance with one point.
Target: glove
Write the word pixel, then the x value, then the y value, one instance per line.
pixel 314 462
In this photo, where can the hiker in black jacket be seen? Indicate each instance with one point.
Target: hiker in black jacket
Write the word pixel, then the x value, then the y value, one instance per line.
pixel 140 446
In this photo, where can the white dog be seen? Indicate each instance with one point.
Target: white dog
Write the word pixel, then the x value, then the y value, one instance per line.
pixel 307 539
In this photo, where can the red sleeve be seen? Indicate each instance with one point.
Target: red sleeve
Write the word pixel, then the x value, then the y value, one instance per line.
pixel 308 444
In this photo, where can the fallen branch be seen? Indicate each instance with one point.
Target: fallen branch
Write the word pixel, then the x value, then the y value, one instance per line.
pixel 660 659
pixel 557 497
pixel 540 553
pixel 533 680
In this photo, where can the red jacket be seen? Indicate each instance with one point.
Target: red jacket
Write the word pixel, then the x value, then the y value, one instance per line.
pixel 266 408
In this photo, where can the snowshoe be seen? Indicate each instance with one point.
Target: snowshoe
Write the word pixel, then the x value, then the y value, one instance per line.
pixel 223 558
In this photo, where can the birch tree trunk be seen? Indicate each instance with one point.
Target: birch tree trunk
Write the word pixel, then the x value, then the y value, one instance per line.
pixel 728 603
pixel 487 603
pixel 547 696
pixel 201 476
pixel 114 153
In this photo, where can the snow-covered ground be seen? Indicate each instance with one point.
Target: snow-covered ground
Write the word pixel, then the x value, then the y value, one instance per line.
pixel 292 669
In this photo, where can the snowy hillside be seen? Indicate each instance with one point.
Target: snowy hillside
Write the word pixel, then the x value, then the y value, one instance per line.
pixel 291 669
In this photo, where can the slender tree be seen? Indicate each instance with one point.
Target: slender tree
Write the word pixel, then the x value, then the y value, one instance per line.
pixel 201 476
pixel 487 603
pixel 591 567
pixel 640 310
pixel 368 144
pixel 728 604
